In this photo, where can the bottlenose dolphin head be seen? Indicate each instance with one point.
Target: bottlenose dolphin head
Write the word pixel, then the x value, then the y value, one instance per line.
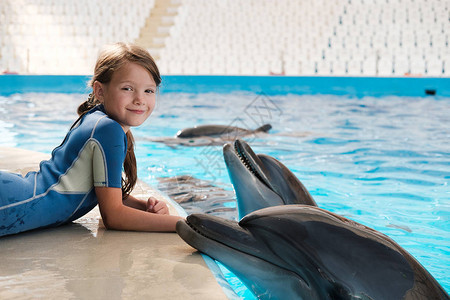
pixel 260 180
pixel 247 256
pixel 304 252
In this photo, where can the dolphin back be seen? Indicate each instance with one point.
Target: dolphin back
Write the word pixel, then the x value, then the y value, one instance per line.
pixel 211 131
pixel 264 128
pixel 218 130
pixel 339 258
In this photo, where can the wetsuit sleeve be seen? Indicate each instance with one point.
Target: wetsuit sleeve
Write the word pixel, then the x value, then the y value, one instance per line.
pixel 109 152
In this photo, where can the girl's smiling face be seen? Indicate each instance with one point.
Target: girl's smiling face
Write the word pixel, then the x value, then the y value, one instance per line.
pixel 130 97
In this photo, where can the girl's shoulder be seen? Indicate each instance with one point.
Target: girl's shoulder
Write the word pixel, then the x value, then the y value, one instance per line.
pixel 101 122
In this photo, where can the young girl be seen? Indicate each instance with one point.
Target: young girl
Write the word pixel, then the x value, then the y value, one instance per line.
pixel 86 168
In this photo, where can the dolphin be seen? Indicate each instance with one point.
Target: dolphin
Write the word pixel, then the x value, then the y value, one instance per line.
pixel 219 131
pixel 261 181
pixel 288 248
pixel 209 135
pixel 305 252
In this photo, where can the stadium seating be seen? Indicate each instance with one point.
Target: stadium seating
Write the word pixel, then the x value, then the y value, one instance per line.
pixel 245 37
pixel 64 36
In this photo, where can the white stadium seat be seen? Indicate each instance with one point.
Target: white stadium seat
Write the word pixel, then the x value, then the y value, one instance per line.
pixel 246 37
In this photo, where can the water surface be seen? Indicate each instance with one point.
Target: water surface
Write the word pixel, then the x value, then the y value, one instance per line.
pixel 383 162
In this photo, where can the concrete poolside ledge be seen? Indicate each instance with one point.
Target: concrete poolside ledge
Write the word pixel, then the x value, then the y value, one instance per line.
pixel 83 260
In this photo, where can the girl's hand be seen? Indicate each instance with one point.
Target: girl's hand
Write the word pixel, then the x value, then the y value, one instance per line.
pixel 156 206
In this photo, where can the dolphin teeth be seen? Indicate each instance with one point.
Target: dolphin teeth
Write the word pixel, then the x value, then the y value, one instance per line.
pixel 246 162
pixel 194 228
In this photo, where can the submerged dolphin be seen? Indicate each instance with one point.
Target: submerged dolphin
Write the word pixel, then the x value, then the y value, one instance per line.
pixel 261 181
pixel 301 251
pixel 199 196
pixel 209 135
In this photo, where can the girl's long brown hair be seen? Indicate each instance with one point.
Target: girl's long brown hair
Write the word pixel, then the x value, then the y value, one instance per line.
pixel 111 59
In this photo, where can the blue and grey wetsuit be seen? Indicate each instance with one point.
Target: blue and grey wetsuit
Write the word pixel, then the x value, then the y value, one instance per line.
pixel 91 155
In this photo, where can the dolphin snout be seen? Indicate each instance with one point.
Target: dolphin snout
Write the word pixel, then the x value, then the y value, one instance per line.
pixel 227 148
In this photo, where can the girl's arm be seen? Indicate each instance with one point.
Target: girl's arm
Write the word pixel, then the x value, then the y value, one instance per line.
pixel 135 203
pixel 151 205
pixel 117 215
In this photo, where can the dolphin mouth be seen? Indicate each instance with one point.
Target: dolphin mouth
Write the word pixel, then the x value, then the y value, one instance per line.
pixel 225 240
pixel 219 230
pixel 251 161
pixel 208 233
pixel 196 230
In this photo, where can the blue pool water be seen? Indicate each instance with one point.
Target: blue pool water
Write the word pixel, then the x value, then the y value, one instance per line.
pixel 383 162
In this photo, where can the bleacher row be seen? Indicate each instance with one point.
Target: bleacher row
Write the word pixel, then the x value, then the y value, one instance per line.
pixel 64 36
pixel 310 37
pixel 245 37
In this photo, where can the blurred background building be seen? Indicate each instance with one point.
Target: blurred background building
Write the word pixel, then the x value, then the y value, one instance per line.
pixel 231 37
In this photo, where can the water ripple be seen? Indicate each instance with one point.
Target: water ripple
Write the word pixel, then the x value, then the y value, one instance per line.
pixel 383 162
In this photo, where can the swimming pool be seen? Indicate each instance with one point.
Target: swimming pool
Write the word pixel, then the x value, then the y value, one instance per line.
pixel 381 161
